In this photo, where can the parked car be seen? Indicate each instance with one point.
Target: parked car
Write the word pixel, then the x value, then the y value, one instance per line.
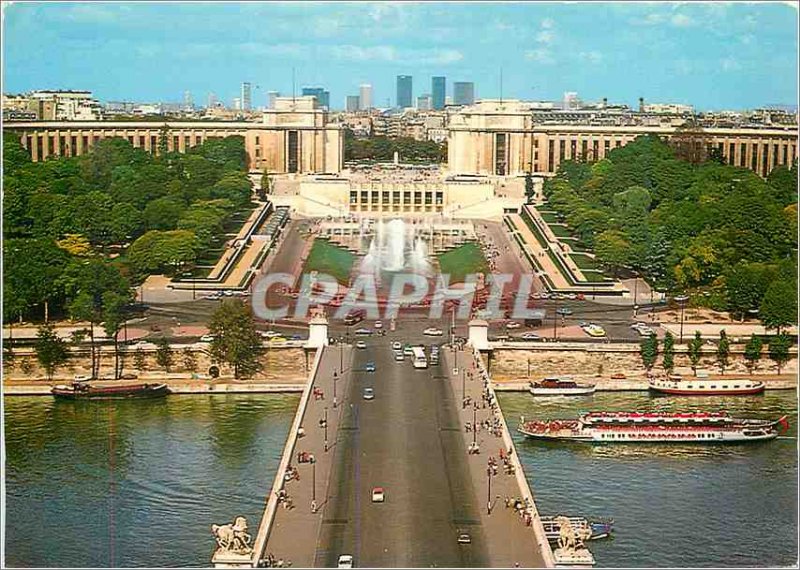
pixel 529 336
pixel 378 495
pixel 369 394
pixel 432 331
pixel 345 561
pixel 512 325
pixel 564 311
pixel 207 338
pixel 396 345
pixel 464 538
pixel 363 332
pixel 378 324
pixel 361 344
pixel 399 356
pixel 369 367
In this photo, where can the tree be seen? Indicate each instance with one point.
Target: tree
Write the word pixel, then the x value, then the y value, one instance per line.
pixel 236 340
pixel 690 143
pixel 669 352
pixel 82 308
pixel 695 351
pixel 266 185
pixel 51 350
pixel 113 319
pixel 649 351
pixel 529 188
pixel 163 251
pixel 779 306
pixel 163 354
pixel 613 249
pixel 723 351
pixel 752 352
pixel 139 360
pixel 779 349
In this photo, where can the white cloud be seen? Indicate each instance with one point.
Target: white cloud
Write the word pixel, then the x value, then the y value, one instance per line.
pixel 591 56
pixel 547 23
pixel 358 53
pixel 540 55
pixel 730 64
pixel 681 20
pixel 545 37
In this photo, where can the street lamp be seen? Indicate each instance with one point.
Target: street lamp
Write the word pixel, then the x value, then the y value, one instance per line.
pixel 325 425
pixel 681 299
pixel 489 492
pixel 474 425
pixel 335 378
pixel 313 479
pixel 635 293
pixel 463 386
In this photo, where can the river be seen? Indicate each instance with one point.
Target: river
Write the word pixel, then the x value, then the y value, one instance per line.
pixel 672 505
pixel 139 483
pixel 136 483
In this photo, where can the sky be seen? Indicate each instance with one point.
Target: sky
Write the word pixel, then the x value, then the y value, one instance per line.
pixel 711 55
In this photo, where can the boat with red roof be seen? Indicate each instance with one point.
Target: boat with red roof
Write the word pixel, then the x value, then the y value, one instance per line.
pixel 681 427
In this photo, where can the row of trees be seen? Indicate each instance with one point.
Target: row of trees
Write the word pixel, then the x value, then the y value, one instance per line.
pixel 236 343
pixel 383 149
pixel 778 349
pixel 690 225
pixel 117 210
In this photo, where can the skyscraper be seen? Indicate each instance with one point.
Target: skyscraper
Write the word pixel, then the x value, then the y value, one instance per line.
pixel 438 90
pixel 424 102
pixel 323 96
pixel 271 97
pixel 188 103
pixel 365 96
pixel 404 91
pixel 463 93
pixel 247 96
pixel 352 103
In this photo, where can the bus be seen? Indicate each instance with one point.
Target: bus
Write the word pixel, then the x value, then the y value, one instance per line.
pixel 418 358
pixel 355 316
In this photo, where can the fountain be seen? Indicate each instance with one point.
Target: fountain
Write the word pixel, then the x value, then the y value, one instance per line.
pixel 395 247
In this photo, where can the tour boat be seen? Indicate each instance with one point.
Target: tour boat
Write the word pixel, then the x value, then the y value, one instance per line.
pixel 560 387
pixel 677 385
pixel 627 427
pixel 81 389
pixel 584 528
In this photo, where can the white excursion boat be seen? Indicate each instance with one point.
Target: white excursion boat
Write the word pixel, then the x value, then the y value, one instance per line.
pixel 629 427
pixel 704 386
pixel 560 387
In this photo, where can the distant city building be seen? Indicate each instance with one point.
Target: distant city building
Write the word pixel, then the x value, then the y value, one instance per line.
pixel 668 108
pixel 404 91
pixel 463 93
pixel 65 105
pixel 212 101
pixel 438 92
pixel 365 94
pixel 237 104
pixel 352 103
pixel 424 102
pixel 571 102
pixel 247 97
pixel 188 102
pixel 448 100
pixel 323 96
pixel 271 97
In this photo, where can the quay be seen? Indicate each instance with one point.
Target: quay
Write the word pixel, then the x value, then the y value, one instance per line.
pixel 411 441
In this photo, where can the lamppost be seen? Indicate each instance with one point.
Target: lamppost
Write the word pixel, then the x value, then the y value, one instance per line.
pixel 635 293
pixel 681 299
pixel 313 461
pixel 463 386
pixel 335 378
pixel 325 425
pixel 474 425
pixel 529 367
pixel 489 492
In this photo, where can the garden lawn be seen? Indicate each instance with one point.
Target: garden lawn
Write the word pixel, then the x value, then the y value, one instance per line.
pixel 330 259
pixel 462 261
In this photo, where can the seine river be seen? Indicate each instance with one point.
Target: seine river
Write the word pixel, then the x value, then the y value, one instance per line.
pixel 139 483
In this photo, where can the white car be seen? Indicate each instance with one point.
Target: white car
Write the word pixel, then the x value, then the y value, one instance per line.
pixel 378 324
pixel 399 356
pixel 207 338
pixel 378 495
pixel 396 345
pixel 269 334
pixel 645 331
pixel 361 344
pixel 345 561
pixel 529 336
pixel 512 325
pixel 433 332
pixel 368 394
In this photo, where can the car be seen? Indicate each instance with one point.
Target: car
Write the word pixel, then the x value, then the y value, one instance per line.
pixel 378 495
pixel 594 330
pixel 396 345
pixel 399 357
pixel 464 538
pixel 544 296
pixel 564 311
pixel 434 360
pixel 368 394
pixel 378 324
pixel 361 344
pixel 277 340
pixel 580 297
pixel 432 331
pixel 228 293
pixel 572 296
pixel 407 350
pixel 363 332
pixel 269 334
pixel 529 336
pixel 535 296
pixel 345 561
pixel 369 367
pixel 512 325
pixel 645 331
pixel 207 338
pixel 638 325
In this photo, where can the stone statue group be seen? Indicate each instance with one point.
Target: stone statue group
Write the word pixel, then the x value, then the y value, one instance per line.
pixel 233 537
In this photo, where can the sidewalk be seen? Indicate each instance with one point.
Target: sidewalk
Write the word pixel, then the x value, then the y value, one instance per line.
pixel 509 539
pixel 295 530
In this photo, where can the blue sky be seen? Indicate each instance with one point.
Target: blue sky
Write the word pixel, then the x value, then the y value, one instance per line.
pixel 715 55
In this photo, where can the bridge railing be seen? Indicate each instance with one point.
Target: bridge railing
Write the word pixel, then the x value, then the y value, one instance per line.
pixel 288 451
pixel 522 482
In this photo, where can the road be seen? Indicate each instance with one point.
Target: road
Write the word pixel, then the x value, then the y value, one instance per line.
pixel 407 440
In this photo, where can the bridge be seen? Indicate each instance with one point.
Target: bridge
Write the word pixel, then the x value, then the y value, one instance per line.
pixel 411 440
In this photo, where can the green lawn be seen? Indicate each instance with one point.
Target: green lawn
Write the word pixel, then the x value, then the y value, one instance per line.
pixel 584 261
pixel 330 259
pixel 595 277
pixel 462 261
pixel 549 217
pixel 560 231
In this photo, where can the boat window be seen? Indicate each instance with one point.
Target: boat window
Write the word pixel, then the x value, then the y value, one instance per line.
pixel 736 386
pixel 713 386
pixel 689 386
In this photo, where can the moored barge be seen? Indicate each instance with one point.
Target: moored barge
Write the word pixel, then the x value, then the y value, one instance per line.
pixel 108 390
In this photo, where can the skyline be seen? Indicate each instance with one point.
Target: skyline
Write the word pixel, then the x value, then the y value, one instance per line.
pixel 712 56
